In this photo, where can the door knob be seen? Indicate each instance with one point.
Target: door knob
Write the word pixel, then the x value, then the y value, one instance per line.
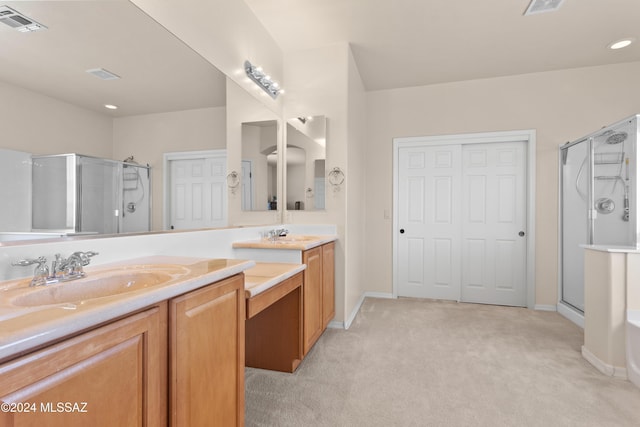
pixel 521 233
pixel 402 231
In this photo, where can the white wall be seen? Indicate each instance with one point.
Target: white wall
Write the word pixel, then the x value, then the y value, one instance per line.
pixel 147 137
pixel 560 106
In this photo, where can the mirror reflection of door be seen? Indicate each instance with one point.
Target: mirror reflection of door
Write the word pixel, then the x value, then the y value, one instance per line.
pixel 305 161
pixel 259 183
pixel 247 186
pixel 196 192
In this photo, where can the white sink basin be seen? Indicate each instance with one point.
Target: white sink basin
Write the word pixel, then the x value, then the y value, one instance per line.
pixel 98 285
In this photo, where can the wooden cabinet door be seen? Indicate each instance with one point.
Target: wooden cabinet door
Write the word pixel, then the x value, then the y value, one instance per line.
pixel 206 357
pixel 328 283
pixel 312 296
pixel 114 375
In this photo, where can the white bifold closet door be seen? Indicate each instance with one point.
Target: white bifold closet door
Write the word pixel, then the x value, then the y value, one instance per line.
pixel 461 217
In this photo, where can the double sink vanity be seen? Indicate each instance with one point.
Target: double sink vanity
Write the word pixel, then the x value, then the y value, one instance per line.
pixel 161 340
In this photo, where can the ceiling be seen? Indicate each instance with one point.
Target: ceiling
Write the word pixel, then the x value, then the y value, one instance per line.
pixel 399 43
pixel 403 43
pixel 159 73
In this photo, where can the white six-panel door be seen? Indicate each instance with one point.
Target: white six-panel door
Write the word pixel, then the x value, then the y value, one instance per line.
pixel 429 217
pixel 198 193
pixel 461 210
pixel 493 223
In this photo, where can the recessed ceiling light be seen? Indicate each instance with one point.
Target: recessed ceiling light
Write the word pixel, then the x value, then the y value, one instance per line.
pixel 621 43
pixel 110 106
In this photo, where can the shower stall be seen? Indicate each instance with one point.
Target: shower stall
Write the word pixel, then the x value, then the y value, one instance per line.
pixel 598 200
pixel 73 193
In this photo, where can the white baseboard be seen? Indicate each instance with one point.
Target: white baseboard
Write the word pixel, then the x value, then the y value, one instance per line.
pixel 356 309
pixel 334 324
pixel 379 295
pixel 605 368
pixel 571 314
pixel 543 307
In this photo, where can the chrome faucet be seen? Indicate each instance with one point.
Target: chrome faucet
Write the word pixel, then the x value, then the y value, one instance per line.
pixel 62 270
pixel 72 266
pixel 40 274
pixel 274 234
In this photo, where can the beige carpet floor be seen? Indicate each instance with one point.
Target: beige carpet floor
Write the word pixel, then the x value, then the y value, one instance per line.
pixel 409 362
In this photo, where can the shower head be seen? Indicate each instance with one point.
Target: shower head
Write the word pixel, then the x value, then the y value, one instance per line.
pixel 131 160
pixel 616 138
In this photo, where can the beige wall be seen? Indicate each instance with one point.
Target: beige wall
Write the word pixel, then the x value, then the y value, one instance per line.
pixel 317 85
pixel 39 124
pixel 147 137
pixel 356 190
pixel 561 106
pixel 604 303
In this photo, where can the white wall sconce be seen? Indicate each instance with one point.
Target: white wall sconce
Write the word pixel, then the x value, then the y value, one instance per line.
pixel 260 78
pixel 233 181
pixel 336 178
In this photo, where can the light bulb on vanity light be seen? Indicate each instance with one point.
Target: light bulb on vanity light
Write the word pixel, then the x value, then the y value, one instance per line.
pixel 262 79
pixel 110 107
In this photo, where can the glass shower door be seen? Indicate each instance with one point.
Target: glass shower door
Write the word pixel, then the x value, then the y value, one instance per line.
pixel 99 195
pixel 574 197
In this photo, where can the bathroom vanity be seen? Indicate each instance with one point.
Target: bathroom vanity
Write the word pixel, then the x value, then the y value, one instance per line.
pixel 170 352
pixel 273 330
pixel 318 254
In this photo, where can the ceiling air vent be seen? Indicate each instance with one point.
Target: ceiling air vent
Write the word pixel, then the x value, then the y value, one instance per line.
pixel 18 21
pixel 103 74
pixel 540 6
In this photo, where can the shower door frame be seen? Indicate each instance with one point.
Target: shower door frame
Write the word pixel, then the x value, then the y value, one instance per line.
pixel 575 314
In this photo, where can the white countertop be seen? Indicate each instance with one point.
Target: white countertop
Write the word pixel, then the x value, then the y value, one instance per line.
pixel 265 275
pixel 23 328
pixel 291 241
pixel 612 248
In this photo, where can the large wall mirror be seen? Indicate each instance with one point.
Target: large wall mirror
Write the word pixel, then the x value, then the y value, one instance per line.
pixel 259 175
pixel 169 98
pixel 305 160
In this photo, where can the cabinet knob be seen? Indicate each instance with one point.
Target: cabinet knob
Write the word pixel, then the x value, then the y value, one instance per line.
pixel 402 231
pixel 521 234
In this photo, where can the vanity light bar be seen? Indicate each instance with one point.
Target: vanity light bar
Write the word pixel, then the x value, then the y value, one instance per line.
pixel 262 80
